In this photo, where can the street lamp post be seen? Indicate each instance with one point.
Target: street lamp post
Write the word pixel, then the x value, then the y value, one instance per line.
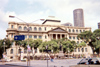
pixel 47 54
pixel 28 29
pixel 28 59
pixel 4 44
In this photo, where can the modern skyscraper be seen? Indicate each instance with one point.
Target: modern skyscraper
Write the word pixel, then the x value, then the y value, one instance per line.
pixel 78 18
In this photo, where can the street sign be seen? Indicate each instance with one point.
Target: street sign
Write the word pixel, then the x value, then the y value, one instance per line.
pixel 19 37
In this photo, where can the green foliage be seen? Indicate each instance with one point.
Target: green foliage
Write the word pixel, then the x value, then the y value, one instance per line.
pixel 68 46
pixel 7 45
pixel 86 36
pixel 82 44
pixel 92 38
pixel 36 43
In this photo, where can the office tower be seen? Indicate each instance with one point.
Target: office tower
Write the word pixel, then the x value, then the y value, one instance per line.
pixel 78 18
pixel 99 25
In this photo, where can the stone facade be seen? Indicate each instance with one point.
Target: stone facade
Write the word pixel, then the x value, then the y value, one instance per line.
pixel 49 29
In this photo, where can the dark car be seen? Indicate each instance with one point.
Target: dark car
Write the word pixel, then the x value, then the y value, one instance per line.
pixel 94 60
pixel 88 62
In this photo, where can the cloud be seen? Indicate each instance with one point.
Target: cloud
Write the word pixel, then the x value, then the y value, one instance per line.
pixel 63 9
pixel 3 4
pixel 3 19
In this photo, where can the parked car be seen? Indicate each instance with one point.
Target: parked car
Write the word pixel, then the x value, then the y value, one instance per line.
pixel 88 62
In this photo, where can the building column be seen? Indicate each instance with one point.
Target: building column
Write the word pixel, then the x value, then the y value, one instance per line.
pixel 52 36
pixel 60 36
pixel 56 37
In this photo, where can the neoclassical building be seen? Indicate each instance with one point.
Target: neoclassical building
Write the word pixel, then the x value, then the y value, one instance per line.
pixel 51 28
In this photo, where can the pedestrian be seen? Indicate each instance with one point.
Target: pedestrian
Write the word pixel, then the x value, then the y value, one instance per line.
pixel 52 57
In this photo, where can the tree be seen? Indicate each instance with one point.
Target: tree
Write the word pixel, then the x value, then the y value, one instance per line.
pixel 90 38
pixel 67 46
pixel 7 45
pixel 96 38
pixel 42 47
pixel 53 46
pixel 82 45
pixel 37 43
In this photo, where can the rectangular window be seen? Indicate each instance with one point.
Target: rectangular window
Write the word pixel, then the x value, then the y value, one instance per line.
pixel 11 51
pixel 12 36
pixel 69 37
pixel 45 28
pixel 73 37
pixel 40 37
pixel 35 36
pixel 12 26
pixel 85 49
pixel 30 36
pixel 77 42
pixel 45 37
pixel 78 49
pixel 82 49
pixel 75 50
pixel 25 36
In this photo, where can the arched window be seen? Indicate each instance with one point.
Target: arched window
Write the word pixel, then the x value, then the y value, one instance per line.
pixel 73 30
pixel 30 28
pixel 40 29
pixel 76 30
pixel 69 30
pixel 35 29
pixel 25 28
pixel 11 51
pixel 19 28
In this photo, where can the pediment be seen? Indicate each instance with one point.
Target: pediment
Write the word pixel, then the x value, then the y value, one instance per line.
pixel 58 30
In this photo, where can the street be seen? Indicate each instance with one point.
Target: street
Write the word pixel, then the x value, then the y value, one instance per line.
pixel 10 66
pixel 43 63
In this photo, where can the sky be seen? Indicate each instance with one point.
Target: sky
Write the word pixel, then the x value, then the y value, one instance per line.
pixel 31 10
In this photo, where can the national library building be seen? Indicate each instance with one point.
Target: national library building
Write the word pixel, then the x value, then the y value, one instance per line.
pixel 51 28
